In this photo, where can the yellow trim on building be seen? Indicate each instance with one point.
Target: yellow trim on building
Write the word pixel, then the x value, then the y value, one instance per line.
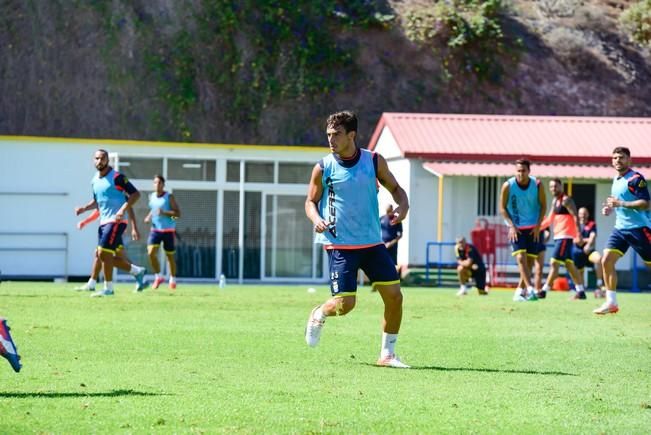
pixel 125 142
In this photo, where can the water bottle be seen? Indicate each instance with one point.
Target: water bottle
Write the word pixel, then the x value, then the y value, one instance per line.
pixel 222 281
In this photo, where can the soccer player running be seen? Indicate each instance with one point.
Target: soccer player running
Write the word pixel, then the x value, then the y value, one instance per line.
pixel 523 205
pixel 342 204
pixel 469 264
pixel 630 200
pixel 584 252
pixel 163 214
pixel 565 223
pixel 109 190
pixel 120 251
pixel 8 348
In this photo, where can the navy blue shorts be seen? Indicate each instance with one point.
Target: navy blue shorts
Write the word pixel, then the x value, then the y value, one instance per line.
pixel 110 236
pixel 538 247
pixel 563 251
pixel 525 243
pixel 580 258
pixel 164 237
pixel 637 238
pixel 374 261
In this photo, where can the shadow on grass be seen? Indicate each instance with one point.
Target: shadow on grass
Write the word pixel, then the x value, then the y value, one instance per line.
pixel 55 395
pixel 470 369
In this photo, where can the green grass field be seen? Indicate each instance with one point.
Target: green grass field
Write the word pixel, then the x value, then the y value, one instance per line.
pixel 235 361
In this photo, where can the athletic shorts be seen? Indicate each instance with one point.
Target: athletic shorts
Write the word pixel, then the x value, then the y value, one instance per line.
pixel 110 236
pixel 580 258
pixel 525 243
pixel 164 237
pixel 538 247
pixel 345 263
pixel 637 238
pixel 563 251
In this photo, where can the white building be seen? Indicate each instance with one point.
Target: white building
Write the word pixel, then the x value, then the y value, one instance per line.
pixel 453 166
pixel 243 207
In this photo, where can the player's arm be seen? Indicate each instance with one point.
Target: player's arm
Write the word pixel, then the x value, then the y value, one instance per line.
pixel 542 202
pixel 504 200
pixel 639 189
pixel 568 203
pixel 135 234
pixel 88 206
pixel 175 212
pixel 591 242
pixel 133 195
pixel 386 178
pixel 314 192
pixel 91 217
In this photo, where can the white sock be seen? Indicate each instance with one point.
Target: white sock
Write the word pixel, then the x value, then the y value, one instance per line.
pixel 388 344
pixel 135 270
pixel 611 297
pixel 463 288
pixel 158 276
pixel 579 288
pixel 531 291
pixel 546 287
pixel 319 314
pixel 518 291
pixel 91 283
pixel 172 279
pixel 108 285
pixel 600 283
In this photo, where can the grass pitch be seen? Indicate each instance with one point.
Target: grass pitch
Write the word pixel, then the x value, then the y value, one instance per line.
pixel 235 361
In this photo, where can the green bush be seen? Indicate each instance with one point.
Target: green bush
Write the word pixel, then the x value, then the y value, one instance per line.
pixel 636 22
pixel 469 31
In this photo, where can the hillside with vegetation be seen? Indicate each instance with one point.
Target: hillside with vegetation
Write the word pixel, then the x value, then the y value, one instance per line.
pixel 268 71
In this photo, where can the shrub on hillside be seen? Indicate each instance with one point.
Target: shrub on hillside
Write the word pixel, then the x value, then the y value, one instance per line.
pixel 636 22
pixel 469 31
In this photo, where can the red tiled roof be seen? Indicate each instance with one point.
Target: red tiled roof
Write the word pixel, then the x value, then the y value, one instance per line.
pixel 499 169
pixel 506 137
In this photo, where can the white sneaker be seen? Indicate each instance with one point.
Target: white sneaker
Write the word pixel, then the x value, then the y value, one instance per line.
pixel 313 328
pixel 85 288
pixel 518 296
pixel 102 293
pixel 392 361
pixel 462 292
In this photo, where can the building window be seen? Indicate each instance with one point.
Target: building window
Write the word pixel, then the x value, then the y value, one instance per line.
pixel 487 196
pixel 139 167
pixel 191 170
pixel 259 172
pixel 233 171
pixel 294 173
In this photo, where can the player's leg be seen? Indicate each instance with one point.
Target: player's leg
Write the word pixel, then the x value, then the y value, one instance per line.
pixel 616 247
pixel 96 268
pixel 479 275
pixel 558 257
pixel 376 263
pixel 169 247
pixel 463 273
pixel 124 264
pixel 595 259
pixel 153 243
pixel 344 265
pixel 577 278
pixel 8 348
pixel 539 264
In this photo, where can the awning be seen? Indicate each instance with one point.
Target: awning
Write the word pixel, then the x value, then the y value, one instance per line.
pixel 501 169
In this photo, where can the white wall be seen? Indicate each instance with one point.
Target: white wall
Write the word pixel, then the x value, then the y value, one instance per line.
pixel 43 180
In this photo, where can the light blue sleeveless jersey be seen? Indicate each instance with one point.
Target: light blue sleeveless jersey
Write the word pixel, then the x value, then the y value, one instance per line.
pixel 523 205
pixel 349 202
pixel 160 221
pixel 628 218
pixel 108 196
